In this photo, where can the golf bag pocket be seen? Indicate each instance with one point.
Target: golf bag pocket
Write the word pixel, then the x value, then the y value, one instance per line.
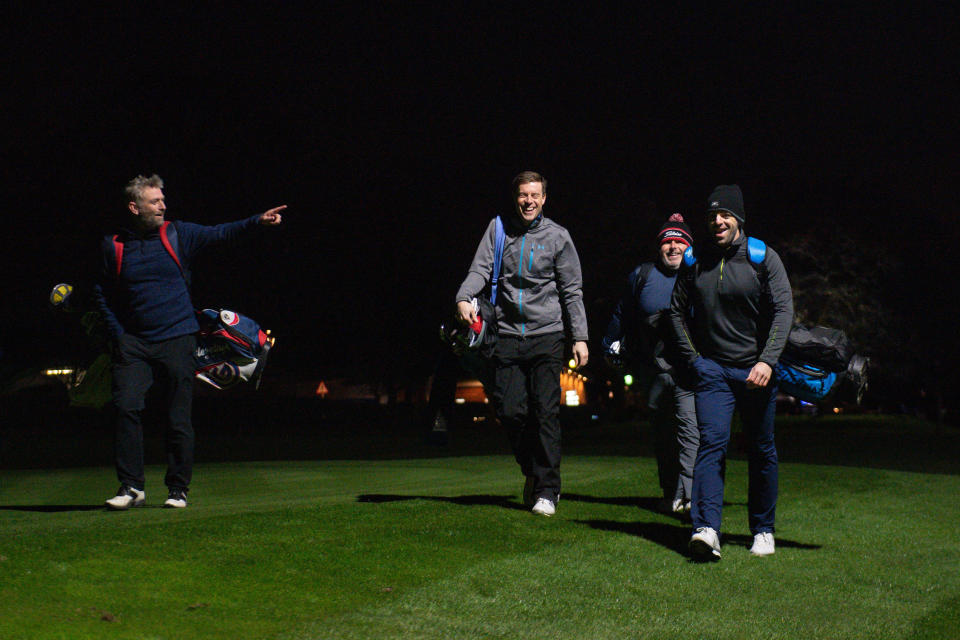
pixel 804 382
pixel 231 348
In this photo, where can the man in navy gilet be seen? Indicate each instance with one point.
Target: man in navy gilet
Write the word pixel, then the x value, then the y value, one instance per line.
pixel 732 309
pixel 143 293
pixel 639 335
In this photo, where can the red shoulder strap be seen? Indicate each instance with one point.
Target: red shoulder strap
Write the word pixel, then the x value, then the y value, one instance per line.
pixel 118 250
pixel 166 244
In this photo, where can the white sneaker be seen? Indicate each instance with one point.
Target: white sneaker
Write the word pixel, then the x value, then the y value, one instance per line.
pixel 176 499
pixel 763 544
pixel 705 543
pixel 126 497
pixel 544 507
pixel 528 492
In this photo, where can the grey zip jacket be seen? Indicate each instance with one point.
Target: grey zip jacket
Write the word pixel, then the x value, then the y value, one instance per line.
pixel 540 287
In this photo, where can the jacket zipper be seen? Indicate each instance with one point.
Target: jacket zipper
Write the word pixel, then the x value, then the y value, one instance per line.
pixel 523 325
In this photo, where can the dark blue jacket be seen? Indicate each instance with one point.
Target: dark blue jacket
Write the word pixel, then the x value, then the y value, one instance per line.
pixel 639 313
pixel 151 298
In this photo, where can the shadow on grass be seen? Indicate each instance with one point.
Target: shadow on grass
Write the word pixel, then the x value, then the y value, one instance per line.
pixel 676 537
pixel 506 502
pixel 647 503
pixel 52 508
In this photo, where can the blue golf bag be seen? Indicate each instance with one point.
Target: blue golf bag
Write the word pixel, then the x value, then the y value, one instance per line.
pixel 815 362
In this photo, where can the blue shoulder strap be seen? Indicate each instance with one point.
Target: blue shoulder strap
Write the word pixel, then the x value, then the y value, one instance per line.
pixel 756 250
pixel 497 259
pixel 690 256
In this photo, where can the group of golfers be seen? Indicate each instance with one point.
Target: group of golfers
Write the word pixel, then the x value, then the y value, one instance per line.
pixel 704 326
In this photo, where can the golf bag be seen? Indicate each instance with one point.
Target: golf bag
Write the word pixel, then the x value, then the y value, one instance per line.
pixel 815 360
pixel 231 348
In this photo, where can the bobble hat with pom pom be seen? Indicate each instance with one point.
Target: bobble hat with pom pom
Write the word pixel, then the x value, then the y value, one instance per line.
pixel 675 229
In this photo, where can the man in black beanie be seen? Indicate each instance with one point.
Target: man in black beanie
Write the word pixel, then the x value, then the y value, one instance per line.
pixel 638 334
pixel 742 311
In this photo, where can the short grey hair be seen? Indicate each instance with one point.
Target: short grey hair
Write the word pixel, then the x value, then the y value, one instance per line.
pixel 135 188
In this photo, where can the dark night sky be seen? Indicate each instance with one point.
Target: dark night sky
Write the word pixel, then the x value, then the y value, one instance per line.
pixel 392 133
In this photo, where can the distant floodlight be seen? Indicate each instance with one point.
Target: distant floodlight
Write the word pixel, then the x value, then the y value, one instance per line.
pixel 628 379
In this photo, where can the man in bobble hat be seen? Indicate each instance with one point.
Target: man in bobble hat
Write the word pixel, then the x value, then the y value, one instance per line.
pixel 638 335
pixel 731 311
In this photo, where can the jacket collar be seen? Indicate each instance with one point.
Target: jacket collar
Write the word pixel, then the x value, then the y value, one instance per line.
pixel 516 223
pixel 732 249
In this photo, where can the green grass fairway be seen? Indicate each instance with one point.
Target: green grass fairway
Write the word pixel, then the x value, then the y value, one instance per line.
pixel 440 548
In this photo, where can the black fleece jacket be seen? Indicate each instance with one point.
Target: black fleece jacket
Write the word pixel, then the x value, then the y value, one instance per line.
pixel 736 321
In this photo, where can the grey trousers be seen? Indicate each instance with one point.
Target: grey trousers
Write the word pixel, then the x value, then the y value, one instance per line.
pixel 676 436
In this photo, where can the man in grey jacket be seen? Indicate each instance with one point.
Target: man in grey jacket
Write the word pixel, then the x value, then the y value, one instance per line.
pixel 539 302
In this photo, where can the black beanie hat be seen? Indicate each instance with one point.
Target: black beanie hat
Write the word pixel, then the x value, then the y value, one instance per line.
pixel 727 197
pixel 675 229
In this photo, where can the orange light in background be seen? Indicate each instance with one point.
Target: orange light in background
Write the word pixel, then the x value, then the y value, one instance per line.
pixel 572 388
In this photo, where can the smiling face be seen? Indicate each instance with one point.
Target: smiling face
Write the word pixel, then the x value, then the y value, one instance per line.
pixel 149 208
pixel 530 197
pixel 671 253
pixel 724 228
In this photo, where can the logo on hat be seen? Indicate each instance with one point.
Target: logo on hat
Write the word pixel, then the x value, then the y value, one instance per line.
pixel 715 203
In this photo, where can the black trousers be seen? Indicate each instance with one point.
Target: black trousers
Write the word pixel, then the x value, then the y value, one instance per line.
pixel 134 367
pixel 527 400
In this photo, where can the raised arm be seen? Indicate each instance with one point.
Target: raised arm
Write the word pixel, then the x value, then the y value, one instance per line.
pixel 195 237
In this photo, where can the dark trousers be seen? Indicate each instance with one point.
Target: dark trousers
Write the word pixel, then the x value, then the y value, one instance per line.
pixel 134 368
pixel 719 391
pixel 527 400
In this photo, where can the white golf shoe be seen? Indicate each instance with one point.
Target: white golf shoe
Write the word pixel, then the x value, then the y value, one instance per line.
pixel 705 543
pixel 176 499
pixel 126 497
pixel 763 544
pixel 544 507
